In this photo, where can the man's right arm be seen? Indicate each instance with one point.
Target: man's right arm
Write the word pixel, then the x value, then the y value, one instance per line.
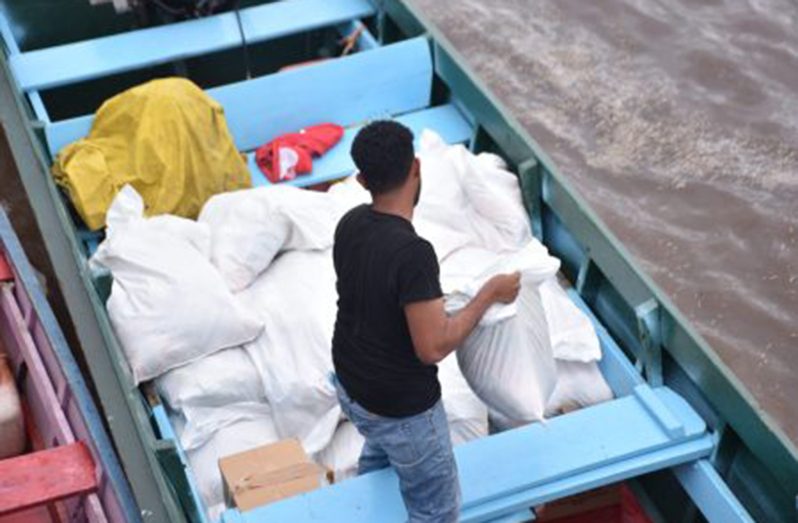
pixel 435 334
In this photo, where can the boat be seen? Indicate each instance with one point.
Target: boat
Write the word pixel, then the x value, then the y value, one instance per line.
pixel 682 429
pixel 66 469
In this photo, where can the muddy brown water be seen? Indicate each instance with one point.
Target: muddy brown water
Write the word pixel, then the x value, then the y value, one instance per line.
pixel 677 121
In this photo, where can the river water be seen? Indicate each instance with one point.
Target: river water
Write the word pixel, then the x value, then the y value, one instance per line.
pixel 677 120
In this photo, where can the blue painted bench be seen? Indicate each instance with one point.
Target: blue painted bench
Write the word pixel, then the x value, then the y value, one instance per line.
pixel 79 61
pixel 699 478
pixel 446 120
pixel 646 431
pixel 86 60
pixel 348 91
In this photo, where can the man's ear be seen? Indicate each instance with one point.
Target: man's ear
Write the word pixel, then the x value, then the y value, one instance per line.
pixel 362 180
pixel 415 170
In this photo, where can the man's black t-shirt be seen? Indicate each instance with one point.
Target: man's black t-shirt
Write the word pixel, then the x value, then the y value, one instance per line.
pixel 382 265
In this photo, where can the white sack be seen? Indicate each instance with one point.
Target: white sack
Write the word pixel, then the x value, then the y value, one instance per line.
pixel 341 455
pixel 251 227
pixel 465 412
pixel 296 299
pixel 168 304
pixel 467 270
pixel 579 385
pixel 573 336
pixel 216 433
pixel 225 377
pixel 466 200
pixel 510 365
pixel 348 194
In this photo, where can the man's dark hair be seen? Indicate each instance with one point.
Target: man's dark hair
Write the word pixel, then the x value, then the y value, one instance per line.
pixel 383 153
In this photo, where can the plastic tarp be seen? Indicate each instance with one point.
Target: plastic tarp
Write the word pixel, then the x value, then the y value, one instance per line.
pixel 166 138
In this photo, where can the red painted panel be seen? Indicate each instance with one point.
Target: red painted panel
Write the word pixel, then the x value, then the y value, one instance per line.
pixel 45 476
pixel 5 269
pixel 34 515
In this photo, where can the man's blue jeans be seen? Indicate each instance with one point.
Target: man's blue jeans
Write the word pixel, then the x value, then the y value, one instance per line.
pixel 419 449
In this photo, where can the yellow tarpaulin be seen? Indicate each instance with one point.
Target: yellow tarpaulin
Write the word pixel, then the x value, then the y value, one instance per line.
pixel 166 138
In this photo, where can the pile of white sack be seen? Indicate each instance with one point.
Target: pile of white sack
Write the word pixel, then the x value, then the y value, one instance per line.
pixel 232 315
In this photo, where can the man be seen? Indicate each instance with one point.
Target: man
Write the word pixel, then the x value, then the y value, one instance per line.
pixel 392 329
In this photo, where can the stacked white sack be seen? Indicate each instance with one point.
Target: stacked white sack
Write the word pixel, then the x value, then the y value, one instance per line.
pixel 223 378
pixel 573 337
pixel 296 299
pixel 580 382
pixel 471 210
pixel 343 452
pixel 467 200
pixel 168 304
pixel 579 385
pixel 466 413
pixel 251 227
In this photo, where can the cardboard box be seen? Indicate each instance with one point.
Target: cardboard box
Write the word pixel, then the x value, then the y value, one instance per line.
pixel 269 473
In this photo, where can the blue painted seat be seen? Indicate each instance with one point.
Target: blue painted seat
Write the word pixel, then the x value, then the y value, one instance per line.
pixel 699 478
pixel 347 91
pixel 636 434
pixel 390 80
pixel 75 62
pixel 446 120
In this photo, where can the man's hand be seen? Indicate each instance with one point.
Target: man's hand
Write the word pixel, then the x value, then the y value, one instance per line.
pixel 504 287
pixel 435 334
